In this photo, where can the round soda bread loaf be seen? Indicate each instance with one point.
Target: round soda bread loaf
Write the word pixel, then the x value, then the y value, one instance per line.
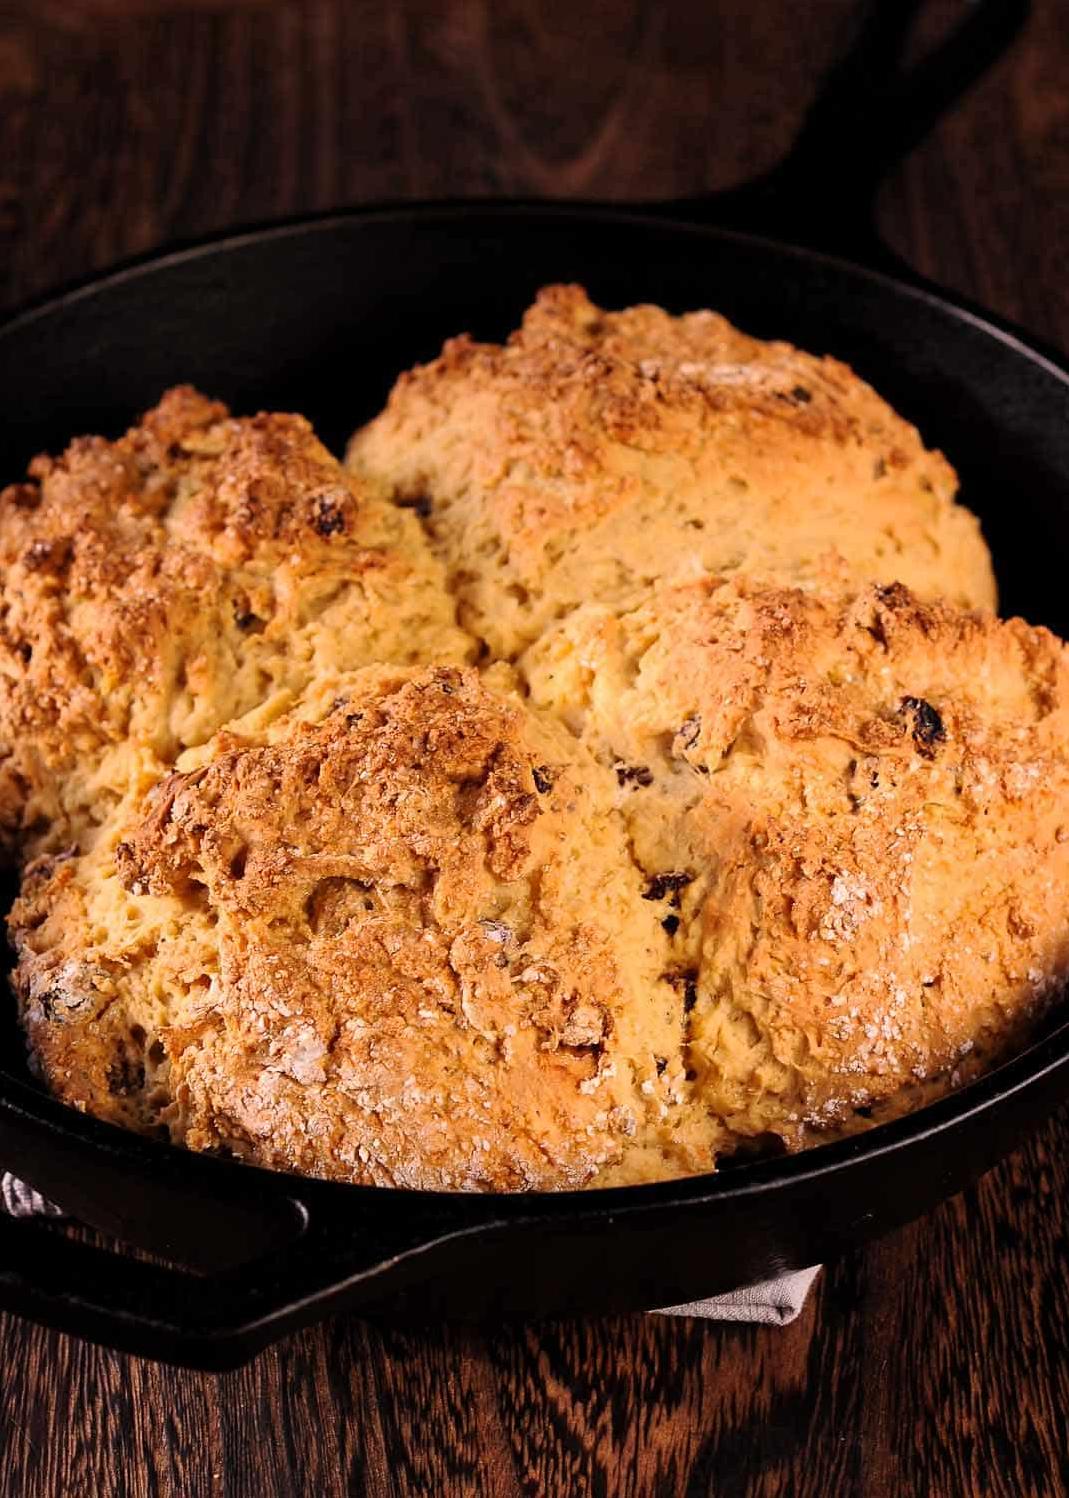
pixel 155 587
pixel 617 767
pixel 597 453
pixel 394 937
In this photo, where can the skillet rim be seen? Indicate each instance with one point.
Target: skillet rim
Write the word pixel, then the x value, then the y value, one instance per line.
pixel 1042 1058
pixel 905 281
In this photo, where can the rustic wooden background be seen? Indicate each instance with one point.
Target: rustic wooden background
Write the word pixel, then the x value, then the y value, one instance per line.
pixel 935 1362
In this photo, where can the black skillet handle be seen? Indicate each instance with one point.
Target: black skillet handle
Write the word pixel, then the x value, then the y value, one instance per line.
pixel 322 1260
pixel 248 1258
pixel 362 1256
pixel 867 116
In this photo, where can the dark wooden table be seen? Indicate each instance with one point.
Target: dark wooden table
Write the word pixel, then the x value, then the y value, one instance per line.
pixel 934 1362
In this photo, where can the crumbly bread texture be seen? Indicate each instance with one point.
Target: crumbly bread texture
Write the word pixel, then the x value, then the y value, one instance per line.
pixel 856 809
pixel 725 817
pixel 597 453
pixel 394 937
pixel 155 587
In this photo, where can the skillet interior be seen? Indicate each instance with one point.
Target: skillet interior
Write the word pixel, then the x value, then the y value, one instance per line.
pixel 319 317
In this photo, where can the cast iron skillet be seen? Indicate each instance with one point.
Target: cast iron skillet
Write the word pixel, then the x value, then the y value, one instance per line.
pixel 318 316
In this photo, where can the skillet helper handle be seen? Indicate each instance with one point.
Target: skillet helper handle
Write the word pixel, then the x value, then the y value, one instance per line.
pixel 357 1258
pixel 117 1300
pixel 244 1263
pixel 867 116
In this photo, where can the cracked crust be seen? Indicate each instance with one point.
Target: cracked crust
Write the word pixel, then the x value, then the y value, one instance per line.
pixel 389 956
pixel 597 453
pixel 155 587
pixel 747 845
pixel 857 808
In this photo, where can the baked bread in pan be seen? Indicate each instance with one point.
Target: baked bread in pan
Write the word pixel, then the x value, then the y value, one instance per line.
pixel 619 766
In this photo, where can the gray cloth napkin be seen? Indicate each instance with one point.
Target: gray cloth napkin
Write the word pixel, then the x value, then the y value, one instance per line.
pixel 772 1303
pixel 19 1200
pixel 769 1303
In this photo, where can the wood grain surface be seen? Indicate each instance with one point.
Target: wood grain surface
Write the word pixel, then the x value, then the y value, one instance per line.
pixel 935 1362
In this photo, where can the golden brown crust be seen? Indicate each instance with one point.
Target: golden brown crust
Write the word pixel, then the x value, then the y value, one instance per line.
pixel 866 802
pixel 685 875
pixel 155 587
pixel 403 962
pixel 596 453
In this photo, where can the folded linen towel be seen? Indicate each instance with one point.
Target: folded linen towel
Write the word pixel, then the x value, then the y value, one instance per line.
pixel 773 1302
pixel 18 1199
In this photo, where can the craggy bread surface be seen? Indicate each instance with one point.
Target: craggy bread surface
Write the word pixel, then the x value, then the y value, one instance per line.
pixel 368 944
pixel 158 586
pixel 597 453
pixel 727 816
pixel 854 811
